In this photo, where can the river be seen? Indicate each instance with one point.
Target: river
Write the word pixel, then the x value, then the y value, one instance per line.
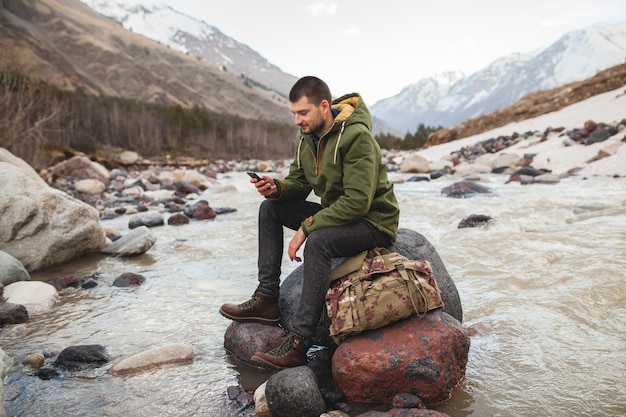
pixel 542 287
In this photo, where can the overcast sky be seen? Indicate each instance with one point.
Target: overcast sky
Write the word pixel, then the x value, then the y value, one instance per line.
pixel 378 47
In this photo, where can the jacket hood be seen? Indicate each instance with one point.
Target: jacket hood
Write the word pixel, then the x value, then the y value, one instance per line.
pixel 352 110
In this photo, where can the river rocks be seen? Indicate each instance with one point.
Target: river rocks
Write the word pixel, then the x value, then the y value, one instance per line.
pixel 415 163
pixel 178 219
pixel 138 241
pixel 129 279
pixel 41 226
pixel 426 356
pixel 36 296
pixel 153 358
pixel 464 189
pixel 294 392
pixel 11 270
pixel 474 220
pixel 261 408
pixel 148 219
pixel 242 340
pixel 78 167
pixel 81 357
pixel 34 360
pixel 11 313
pixel 90 186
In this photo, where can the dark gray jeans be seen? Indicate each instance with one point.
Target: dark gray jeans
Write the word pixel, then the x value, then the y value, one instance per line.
pixel 320 247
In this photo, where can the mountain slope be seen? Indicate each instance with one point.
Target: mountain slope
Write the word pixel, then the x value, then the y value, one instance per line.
pixel 157 21
pixel 69 45
pixel 536 104
pixel 576 56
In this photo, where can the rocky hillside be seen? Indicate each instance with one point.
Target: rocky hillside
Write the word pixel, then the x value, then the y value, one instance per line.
pixel 535 104
pixel 67 44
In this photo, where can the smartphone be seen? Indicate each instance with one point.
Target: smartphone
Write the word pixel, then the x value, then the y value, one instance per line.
pixel 253 174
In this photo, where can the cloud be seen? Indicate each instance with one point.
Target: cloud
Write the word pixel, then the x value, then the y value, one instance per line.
pixel 319 8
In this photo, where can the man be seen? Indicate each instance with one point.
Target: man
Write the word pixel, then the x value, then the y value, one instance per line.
pixel 338 159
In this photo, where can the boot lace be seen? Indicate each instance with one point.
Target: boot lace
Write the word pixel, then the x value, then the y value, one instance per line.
pixel 249 303
pixel 284 347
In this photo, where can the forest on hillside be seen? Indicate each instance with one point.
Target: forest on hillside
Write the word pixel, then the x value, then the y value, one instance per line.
pixel 40 123
pixel 43 125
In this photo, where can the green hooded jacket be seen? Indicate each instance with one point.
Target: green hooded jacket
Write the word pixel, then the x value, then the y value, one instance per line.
pixel 347 173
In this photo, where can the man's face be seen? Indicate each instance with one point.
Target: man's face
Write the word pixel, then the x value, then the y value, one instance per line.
pixel 309 117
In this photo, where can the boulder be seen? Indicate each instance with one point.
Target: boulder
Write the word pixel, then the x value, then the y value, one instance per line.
pixel 261 408
pixel 90 186
pixel 149 219
pixel 425 356
pixel 242 340
pixel 136 242
pixel 409 243
pixel 464 189
pixel 36 296
pixel 11 270
pixel 415 163
pixel 41 226
pixel 12 314
pixel 79 167
pixel 153 358
pixel 79 358
pixel 294 392
pixel 19 163
pixel 128 157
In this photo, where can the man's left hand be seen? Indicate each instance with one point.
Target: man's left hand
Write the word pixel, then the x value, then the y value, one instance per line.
pixel 296 242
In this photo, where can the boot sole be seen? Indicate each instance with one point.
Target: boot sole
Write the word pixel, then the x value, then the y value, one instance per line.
pixel 268 365
pixel 250 319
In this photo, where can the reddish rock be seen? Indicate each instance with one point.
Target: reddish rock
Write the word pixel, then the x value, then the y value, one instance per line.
pixel 177 219
pixel 424 356
pixel 204 213
pixel 590 125
pixel 243 340
pixel 406 400
pixel 129 279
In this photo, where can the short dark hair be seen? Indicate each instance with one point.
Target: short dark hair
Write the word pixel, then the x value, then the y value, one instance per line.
pixel 312 88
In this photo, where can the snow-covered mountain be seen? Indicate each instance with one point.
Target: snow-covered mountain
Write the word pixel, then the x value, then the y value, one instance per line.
pixel 156 20
pixel 577 55
pixel 444 99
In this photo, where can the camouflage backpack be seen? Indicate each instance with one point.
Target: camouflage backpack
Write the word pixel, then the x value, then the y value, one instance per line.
pixel 386 287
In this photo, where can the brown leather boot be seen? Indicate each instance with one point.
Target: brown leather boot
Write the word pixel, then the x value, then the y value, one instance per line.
pixel 290 353
pixel 255 309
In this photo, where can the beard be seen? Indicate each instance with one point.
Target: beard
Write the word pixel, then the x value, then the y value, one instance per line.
pixel 316 126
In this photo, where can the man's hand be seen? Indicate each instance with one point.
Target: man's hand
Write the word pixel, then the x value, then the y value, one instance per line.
pixel 266 187
pixel 296 242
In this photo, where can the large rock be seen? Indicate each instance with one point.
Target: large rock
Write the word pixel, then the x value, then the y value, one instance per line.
pixel 294 392
pixel 153 358
pixel 81 357
pixel 41 226
pixel 410 244
pixel 425 356
pixel 4 367
pixel 36 296
pixel 11 270
pixel 79 167
pixel 19 163
pixel 242 340
pixel 136 242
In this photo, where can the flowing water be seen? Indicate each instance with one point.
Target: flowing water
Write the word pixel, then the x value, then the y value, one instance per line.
pixel 542 289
